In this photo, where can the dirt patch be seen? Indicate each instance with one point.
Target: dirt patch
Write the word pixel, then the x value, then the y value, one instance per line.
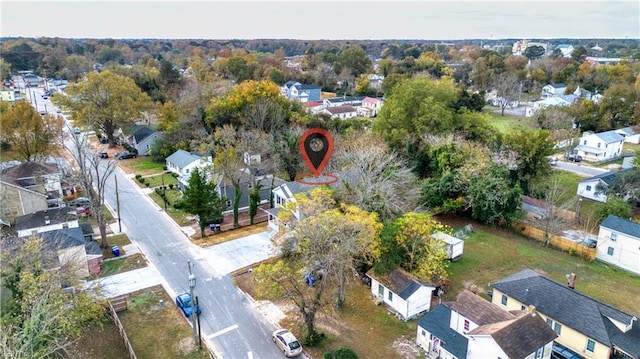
pixel 407 348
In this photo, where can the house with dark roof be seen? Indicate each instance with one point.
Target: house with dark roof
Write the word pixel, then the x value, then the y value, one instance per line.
pixel 143 138
pixel 619 243
pixel 591 188
pixel 598 147
pixel 406 295
pixel 47 220
pixel 30 187
pixel 586 327
pixel 294 90
pixel 73 250
pixel 341 112
pixel 472 327
pixel 354 101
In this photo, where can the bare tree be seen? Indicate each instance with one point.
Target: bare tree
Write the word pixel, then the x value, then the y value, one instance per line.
pixel 508 89
pixel 93 173
pixel 552 217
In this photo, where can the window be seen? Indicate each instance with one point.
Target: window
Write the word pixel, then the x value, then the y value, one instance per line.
pixel 610 251
pixel 591 345
pixel 522 307
pixel 584 142
pixel 557 328
pixel 503 300
pixel 614 236
pixel 539 353
pixel 424 333
pixel 550 322
pixel 65 225
pixel 588 188
pixel 390 296
pixel 380 290
pixel 466 325
pixel 598 144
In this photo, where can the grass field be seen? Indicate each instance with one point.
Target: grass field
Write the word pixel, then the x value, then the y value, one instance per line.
pixel 173 195
pixel 142 165
pixel 159 180
pixel 508 123
pixel 157 328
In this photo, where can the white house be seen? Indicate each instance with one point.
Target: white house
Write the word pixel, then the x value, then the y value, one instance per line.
pixel 474 328
pixel 47 220
pixel 375 81
pixel 565 49
pixel 554 100
pixel 619 243
pixel 553 90
pixel 183 163
pixel 341 112
pixel 598 147
pixel 630 134
pixel 370 107
pixel 406 295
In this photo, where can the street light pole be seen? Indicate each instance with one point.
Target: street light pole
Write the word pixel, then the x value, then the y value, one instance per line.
pixel 118 203
pixel 192 285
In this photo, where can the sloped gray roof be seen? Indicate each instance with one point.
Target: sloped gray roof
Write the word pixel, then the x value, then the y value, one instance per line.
pixel 567 306
pixel 341 109
pixel 622 225
pixel 308 87
pixel 182 158
pixel 38 219
pixel 24 175
pixel 436 322
pixel 142 133
pixel 607 177
pixel 610 136
pixel 478 310
pixel 399 282
pixel 67 238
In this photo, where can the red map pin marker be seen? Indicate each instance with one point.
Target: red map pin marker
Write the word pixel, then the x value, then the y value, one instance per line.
pixel 316 146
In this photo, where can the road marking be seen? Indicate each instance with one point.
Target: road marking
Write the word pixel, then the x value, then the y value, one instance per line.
pixel 220 332
pixel 250 354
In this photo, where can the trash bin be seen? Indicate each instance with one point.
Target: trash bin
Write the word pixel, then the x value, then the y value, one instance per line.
pixel 212 227
pixel 116 251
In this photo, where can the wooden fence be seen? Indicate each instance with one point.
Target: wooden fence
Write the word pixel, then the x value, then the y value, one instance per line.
pixel 123 334
pixel 555 241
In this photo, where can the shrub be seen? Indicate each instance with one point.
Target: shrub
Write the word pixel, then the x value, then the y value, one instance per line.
pixel 344 353
pixel 147 184
pixel 138 176
pixel 170 185
pixel 573 252
pixel 159 192
pixel 164 168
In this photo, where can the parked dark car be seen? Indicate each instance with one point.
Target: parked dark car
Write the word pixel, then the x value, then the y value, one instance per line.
pixel 573 157
pixel 183 301
pixel 590 242
pixel 80 202
pixel 125 155
pixel 104 140
pixel 104 154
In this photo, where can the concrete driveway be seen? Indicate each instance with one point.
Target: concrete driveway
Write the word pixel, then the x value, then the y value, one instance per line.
pixel 229 256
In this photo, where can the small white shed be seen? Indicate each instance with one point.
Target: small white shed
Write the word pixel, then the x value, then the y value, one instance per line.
pixel 455 246
pixel 405 294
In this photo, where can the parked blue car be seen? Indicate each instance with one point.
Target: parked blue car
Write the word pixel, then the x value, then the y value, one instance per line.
pixel 183 301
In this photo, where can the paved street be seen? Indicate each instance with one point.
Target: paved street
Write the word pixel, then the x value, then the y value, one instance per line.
pixel 580 168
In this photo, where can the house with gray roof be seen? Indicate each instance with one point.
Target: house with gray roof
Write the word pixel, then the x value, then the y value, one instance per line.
pixel 631 134
pixel 46 220
pixel 142 138
pixel 551 90
pixel 601 146
pixel 619 243
pixel 472 327
pixel 586 327
pixel 593 187
pixel 73 250
pixel 406 295
pixel 183 163
pixel 294 90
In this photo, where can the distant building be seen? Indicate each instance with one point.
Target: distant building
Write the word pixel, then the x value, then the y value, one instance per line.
pixel 565 50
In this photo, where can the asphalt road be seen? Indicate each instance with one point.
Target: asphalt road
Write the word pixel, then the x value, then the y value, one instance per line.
pixel 229 322
pixel 580 168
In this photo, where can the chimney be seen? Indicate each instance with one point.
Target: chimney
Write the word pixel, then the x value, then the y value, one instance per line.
pixel 571 280
pixel 531 310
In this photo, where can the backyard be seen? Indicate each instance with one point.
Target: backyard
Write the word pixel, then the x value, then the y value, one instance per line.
pixel 490 254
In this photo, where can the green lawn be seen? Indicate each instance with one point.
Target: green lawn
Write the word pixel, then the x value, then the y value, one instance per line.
pixel 142 165
pixel 508 123
pixel 157 328
pixel 173 195
pixel 158 180
pixel 489 258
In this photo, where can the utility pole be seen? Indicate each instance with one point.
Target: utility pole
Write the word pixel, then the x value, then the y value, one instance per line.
pixel 118 203
pixel 164 193
pixel 192 285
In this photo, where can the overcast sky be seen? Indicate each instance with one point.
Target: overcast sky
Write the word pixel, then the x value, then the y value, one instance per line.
pixel 425 19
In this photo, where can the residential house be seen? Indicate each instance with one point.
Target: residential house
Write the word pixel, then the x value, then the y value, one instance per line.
pixel 586 327
pixel 588 188
pixel 282 194
pixel 341 112
pixel 519 47
pixel 597 60
pixel 551 90
pixel 598 147
pixel 314 107
pixel 582 93
pixel 406 295
pixel 370 107
pixel 554 100
pixel 7 94
pixel 29 187
pixel 31 79
pixel 565 50
pixel 183 163
pixel 375 81
pixel 302 92
pixel 473 328
pixel 46 220
pixel 142 138
pixel 631 134
pixel 619 243
pixel 344 101
pixel 73 250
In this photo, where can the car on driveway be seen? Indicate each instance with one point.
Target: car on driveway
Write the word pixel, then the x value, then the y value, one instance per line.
pixel 83 212
pixel 125 155
pixel 104 154
pixel 80 202
pixel 76 131
pixel 183 301
pixel 288 343
pixel 590 242
pixel 573 157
